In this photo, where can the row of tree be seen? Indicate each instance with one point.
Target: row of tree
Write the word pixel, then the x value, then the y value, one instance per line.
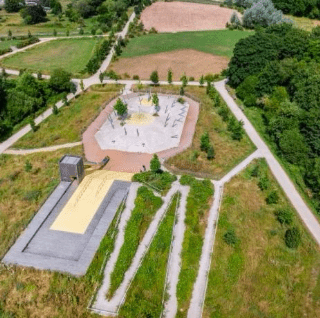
pixel 278 71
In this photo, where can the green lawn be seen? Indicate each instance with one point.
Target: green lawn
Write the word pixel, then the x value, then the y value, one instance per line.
pixel 260 276
pixel 71 120
pixel 70 54
pixel 146 206
pixel 7 44
pixel 220 42
pixel 144 298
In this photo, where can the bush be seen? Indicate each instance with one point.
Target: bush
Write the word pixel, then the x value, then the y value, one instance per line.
pixel 230 238
pixel 264 183
pixel 136 77
pixel 292 237
pixel 262 13
pixel 210 153
pixel 27 166
pixel 27 42
pixel 272 198
pixel 154 77
pixel 180 100
pixel 284 216
pixel 155 164
pixel 224 112
pixel 205 142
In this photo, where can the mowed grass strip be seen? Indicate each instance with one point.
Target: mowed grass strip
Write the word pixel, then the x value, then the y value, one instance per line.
pixel 144 298
pixel 260 276
pixel 25 290
pixel 146 206
pixel 71 55
pixel 198 204
pixel 71 120
pixel 218 42
pixel 228 152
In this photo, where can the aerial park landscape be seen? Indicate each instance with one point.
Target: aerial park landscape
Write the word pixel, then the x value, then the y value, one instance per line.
pixel 160 161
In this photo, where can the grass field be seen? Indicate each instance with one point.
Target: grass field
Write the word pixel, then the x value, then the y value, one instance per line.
pixel 147 289
pixel 228 152
pixel 146 206
pixel 198 203
pixel 27 292
pixel 219 42
pixel 70 54
pixel 71 121
pixel 304 23
pixel 7 44
pixel 259 276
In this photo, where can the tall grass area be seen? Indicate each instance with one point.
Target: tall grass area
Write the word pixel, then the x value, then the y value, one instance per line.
pixel 146 206
pixel 259 276
pixel 198 205
pixel 145 296
pixel 228 152
pixel 26 292
pixel 160 182
pixel 217 42
pixel 68 125
pixel 70 54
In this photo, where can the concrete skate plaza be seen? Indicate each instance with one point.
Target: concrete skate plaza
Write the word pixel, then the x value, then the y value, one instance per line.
pixel 143 132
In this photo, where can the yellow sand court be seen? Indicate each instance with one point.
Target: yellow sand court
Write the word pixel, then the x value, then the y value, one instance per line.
pixel 84 203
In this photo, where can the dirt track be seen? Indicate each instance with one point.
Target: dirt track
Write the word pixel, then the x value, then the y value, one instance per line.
pixel 193 63
pixel 183 16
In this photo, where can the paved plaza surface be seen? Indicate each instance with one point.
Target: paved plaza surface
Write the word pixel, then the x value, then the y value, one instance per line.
pixel 143 131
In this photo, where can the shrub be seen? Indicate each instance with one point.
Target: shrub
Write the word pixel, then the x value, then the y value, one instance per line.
pixel 154 77
pixel 55 110
pixel 224 112
pixel 262 13
pixel 255 171
pixel 33 14
pixel 194 156
pixel 27 166
pixel 136 77
pixel 205 142
pixel 180 100
pixel 272 198
pixel 211 153
pixel 284 216
pixel 120 107
pixel 264 183
pixel 209 77
pixel 292 237
pixel 33 125
pixel 230 238
pixel 201 80
pixel 155 164
pixel 191 78
pixel 32 195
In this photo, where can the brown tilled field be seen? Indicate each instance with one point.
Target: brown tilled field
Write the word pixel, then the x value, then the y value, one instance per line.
pixel 183 16
pixel 193 63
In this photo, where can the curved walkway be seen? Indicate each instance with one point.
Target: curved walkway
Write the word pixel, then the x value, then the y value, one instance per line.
pixel 44 149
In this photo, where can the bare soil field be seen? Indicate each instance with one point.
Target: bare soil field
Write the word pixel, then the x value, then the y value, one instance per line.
pixel 182 16
pixel 192 62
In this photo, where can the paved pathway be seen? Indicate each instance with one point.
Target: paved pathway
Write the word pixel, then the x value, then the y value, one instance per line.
pixel 287 185
pixel 200 286
pixel 44 149
pixel 174 264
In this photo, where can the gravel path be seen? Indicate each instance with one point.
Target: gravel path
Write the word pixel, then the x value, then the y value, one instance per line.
pixel 44 149
pixel 111 307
